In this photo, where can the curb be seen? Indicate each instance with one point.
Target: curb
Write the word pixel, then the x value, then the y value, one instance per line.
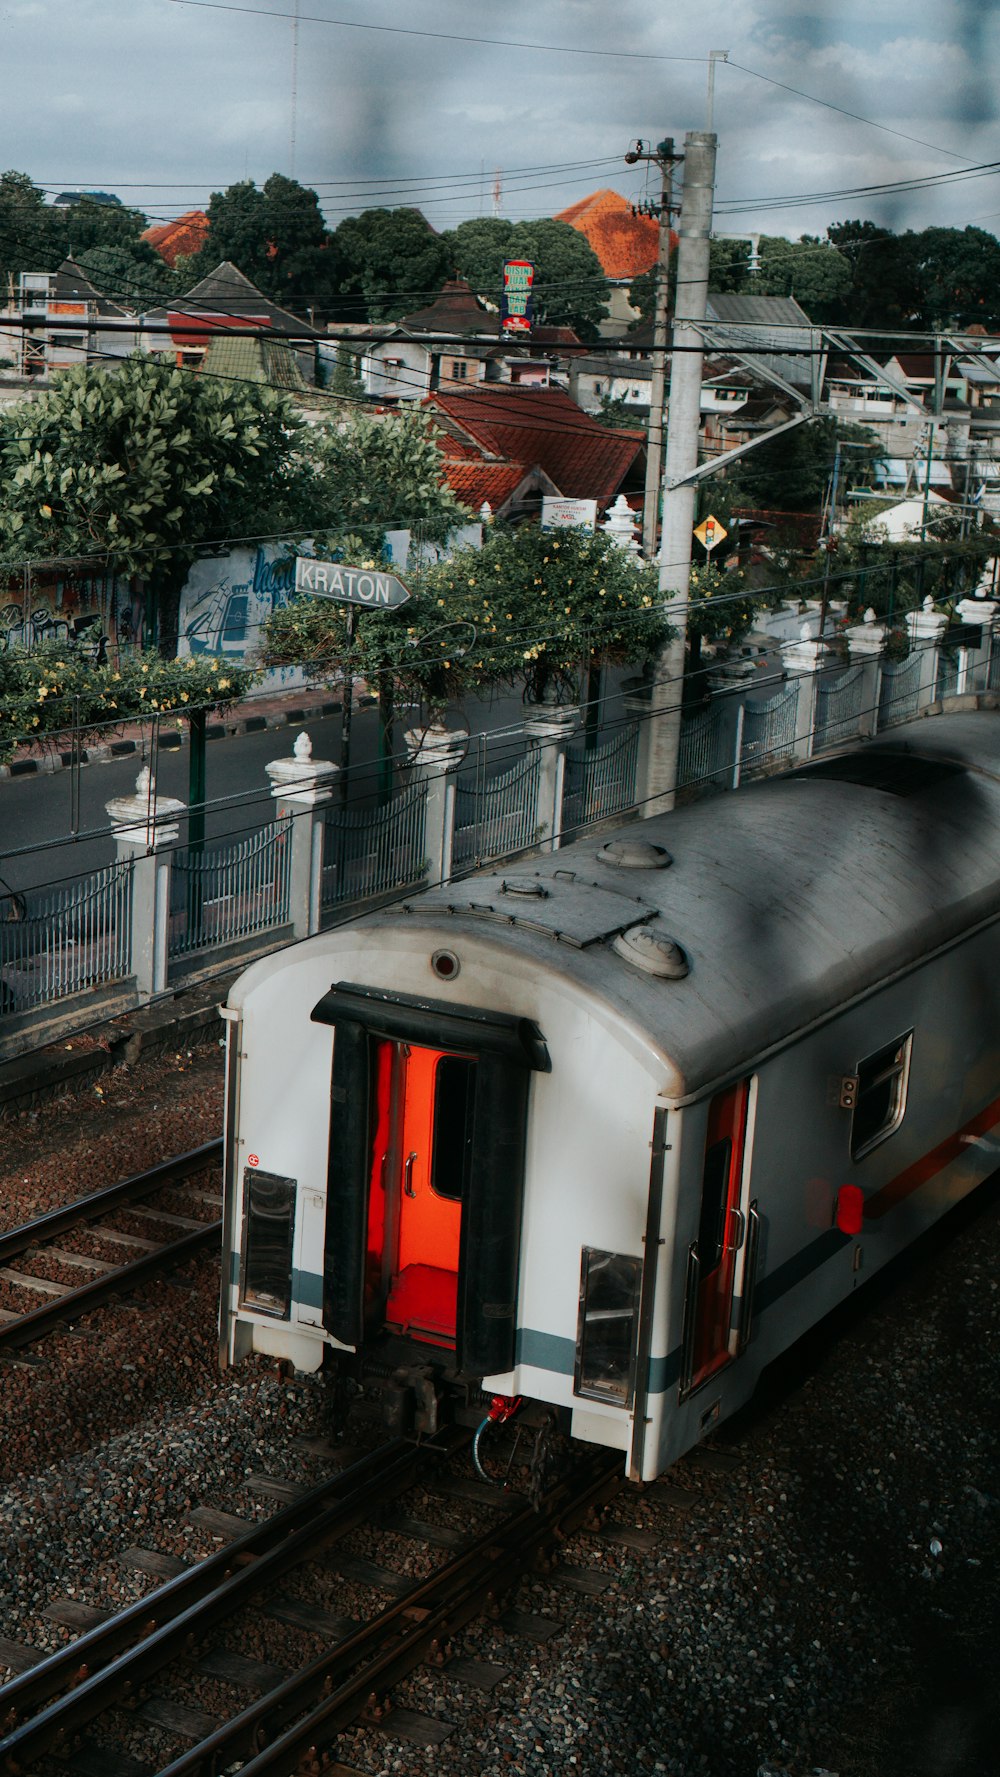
pixel 105 753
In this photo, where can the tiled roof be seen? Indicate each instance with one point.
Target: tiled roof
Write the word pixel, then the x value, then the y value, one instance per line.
pixel 456 310
pixel 584 459
pixel 225 294
pixel 186 234
pixel 473 482
pixel 269 361
pixel 625 244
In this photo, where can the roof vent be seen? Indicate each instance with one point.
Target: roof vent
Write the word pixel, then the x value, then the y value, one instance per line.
pixel 652 952
pixel 634 854
pixel 524 885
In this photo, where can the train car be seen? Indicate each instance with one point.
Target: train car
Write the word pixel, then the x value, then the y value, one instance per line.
pixel 610 1127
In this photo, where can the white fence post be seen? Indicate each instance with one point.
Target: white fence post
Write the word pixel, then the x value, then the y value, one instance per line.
pixel 975 658
pixel 926 628
pixel 805 660
pixel 145 827
pixel 548 729
pixel 865 642
pixel 301 786
pixel 436 752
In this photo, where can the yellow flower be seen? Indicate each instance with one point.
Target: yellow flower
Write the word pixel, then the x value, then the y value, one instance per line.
pixel 43 692
pixel 213 668
pixel 184 697
pixel 224 684
pixel 116 676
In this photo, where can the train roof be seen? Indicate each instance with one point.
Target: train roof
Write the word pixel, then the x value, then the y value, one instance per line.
pixel 785 901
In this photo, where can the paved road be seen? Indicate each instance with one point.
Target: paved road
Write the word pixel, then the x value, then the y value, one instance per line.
pixel 54 828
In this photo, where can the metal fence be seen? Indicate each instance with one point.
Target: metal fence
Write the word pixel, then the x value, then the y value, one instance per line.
pixel 230 890
pixel 899 693
pixel 369 851
pixel 769 729
pixel 838 708
pixel 704 749
pixel 64 940
pixel 600 781
pixel 495 815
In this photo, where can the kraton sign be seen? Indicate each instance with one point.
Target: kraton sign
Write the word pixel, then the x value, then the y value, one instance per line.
pixel 515 302
pixel 350 586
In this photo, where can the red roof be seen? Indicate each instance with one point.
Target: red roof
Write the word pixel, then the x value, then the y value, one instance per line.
pixel 474 482
pixel 186 234
pixel 625 244
pixel 584 459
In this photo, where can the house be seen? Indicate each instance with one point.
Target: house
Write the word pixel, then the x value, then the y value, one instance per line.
pixel 539 435
pixel 226 303
pixel 454 342
pixel 58 319
pixel 626 242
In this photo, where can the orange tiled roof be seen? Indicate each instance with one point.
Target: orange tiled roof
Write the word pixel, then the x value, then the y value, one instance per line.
pixel 625 244
pixel 186 234
pixel 583 459
pixel 474 482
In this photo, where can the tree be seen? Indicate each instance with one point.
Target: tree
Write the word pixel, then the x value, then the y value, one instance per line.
pixel 570 288
pixel 277 237
pixel 728 269
pixel 810 269
pixel 91 224
pixel 31 237
pixel 370 475
pixel 791 473
pixel 139 467
pixel 138 279
pixel 390 263
pixel 958 274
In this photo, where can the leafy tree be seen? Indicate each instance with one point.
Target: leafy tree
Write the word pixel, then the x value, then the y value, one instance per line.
pixel 958 272
pixel 345 377
pixel 390 262
pixel 277 237
pixel 728 269
pixel 570 289
pixel 91 224
pixel 811 270
pixel 529 607
pixel 141 466
pixel 791 473
pixel 136 277
pixel 31 237
pixel 369 475
pixel 883 289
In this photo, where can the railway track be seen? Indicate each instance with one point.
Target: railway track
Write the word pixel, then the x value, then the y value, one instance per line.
pixel 171 1239
pixel 109 1671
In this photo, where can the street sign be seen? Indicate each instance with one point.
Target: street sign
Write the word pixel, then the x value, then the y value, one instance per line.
pixel 711 532
pixel 349 586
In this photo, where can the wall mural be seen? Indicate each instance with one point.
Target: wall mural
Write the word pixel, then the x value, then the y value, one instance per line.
pixel 101 612
pixel 225 602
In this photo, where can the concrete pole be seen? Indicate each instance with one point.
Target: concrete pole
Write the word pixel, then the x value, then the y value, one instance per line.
pixel 679 495
pixel 302 787
pixel 658 380
pixel 146 827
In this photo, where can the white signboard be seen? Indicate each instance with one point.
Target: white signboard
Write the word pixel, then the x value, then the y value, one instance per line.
pixel 560 514
pixel 349 585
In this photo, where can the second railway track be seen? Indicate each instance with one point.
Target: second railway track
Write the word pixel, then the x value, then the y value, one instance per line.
pixel 169 1240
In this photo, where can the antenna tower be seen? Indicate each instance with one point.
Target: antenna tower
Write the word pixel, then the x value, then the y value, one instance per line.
pixel 295 89
pixel 497 190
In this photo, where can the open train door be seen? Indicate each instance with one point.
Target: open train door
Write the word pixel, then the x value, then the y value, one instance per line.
pixel 721 1260
pixel 428 1114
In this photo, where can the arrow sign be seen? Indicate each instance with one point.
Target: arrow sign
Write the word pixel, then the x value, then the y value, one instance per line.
pixel 349 586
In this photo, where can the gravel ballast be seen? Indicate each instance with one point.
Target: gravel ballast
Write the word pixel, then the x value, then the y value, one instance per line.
pixel 820 1595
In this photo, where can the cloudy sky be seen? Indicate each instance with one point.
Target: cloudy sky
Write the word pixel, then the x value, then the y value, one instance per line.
pixel 163 101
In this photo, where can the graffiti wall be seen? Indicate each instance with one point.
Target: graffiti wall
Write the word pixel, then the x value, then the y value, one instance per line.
pixel 225 602
pixel 100 611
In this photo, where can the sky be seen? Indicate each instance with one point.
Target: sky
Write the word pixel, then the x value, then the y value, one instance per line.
pixel 164 101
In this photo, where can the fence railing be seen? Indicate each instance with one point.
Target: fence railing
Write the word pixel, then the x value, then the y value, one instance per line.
pixel 899 693
pixel 769 730
pixel 705 755
pixel 496 815
pixel 369 851
pixel 839 708
pixel 600 781
pixel 230 890
pixel 59 942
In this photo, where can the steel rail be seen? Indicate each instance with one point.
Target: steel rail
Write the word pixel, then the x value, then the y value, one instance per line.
pixel 139 1641
pixel 389 1647
pixel 86 1209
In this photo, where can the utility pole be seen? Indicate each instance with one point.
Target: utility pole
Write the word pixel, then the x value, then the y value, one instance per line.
pixel 666 159
pixel 683 431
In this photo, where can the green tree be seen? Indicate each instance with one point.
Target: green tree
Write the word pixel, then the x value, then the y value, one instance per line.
pixel 390 263
pixel 728 270
pixel 91 224
pixel 883 290
pixel 277 238
pixel 570 288
pixel 370 475
pixel 811 270
pixel 139 467
pixel 31 233
pixel 791 473
pixel 138 279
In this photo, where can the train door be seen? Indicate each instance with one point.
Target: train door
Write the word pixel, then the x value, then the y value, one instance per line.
pixel 717 1259
pixel 421 1155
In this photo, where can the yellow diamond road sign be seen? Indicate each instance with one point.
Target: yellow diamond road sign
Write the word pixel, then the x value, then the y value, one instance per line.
pixel 711 532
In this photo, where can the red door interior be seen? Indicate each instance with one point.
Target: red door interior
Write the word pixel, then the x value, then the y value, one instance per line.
pixel 720 1231
pixel 420 1152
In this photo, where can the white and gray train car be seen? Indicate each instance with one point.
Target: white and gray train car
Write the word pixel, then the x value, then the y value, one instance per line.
pixel 611 1128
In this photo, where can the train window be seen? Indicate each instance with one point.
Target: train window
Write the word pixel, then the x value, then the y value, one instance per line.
pixel 268 1226
pixel 454 1102
pixel 606 1328
pixel 881 1100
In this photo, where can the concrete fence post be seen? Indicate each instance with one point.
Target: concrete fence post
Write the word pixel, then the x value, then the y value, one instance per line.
pixel 865 645
pixel 926 629
pixel 974 658
pixel 302 786
pixel 548 729
pixel 146 826
pixel 436 753
pixel 805 660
